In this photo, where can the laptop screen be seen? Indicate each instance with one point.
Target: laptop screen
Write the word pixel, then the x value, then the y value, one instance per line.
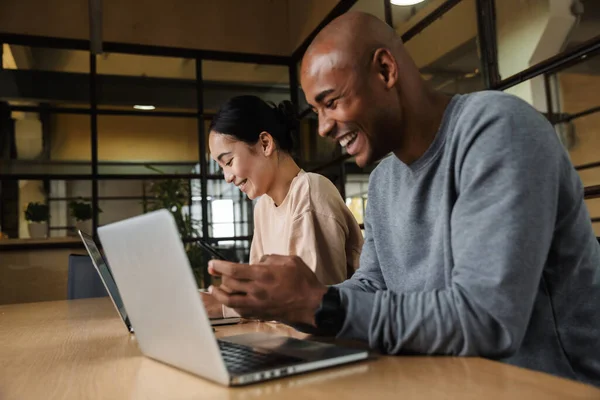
pixel 105 275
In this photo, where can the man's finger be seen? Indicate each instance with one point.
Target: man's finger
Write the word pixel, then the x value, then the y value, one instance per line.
pixel 225 289
pixel 231 300
pixel 231 285
pixel 232 270
pixel 212 271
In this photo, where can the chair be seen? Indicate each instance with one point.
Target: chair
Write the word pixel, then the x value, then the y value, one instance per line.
pixel 84 281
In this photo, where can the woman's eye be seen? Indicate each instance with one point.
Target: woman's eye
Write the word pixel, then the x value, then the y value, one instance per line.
pixel 229 163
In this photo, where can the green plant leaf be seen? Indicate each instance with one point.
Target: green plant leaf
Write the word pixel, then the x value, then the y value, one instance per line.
pixel 37 212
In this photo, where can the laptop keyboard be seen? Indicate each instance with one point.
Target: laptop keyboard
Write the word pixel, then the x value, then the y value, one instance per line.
pixel 241 359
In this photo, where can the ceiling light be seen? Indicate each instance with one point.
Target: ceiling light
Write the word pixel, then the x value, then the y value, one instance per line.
pixel 144 107
pixel 406 2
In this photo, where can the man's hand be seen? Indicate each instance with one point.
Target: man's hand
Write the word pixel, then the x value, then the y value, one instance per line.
pixel 214 309
pixel 279 287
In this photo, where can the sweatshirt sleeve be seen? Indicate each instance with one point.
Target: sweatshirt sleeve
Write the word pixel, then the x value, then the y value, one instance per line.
pixel 368 277
pixel 507 178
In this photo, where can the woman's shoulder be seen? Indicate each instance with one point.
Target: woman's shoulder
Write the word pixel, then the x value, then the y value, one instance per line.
pixel 321 197
pixel 315 193
pixel 327 202
pixel 322 194
pixel 320 185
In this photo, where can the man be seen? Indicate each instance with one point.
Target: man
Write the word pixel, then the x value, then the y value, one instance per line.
pixel 478 241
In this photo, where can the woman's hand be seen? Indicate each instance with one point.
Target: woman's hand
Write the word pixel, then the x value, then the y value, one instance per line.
pixel 214 309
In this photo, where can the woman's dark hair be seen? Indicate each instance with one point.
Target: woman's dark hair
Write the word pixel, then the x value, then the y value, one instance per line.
pixel 245 117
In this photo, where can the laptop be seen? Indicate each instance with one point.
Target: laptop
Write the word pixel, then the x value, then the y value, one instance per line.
pixel 111 287
pixel 160 294
pixel 106 277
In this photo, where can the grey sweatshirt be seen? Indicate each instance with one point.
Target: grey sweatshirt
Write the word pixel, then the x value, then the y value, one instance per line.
pixel 482 247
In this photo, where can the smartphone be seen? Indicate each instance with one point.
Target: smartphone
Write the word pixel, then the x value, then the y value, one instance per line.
pixel 212 250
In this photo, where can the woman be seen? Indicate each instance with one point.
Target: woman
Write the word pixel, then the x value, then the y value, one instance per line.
pixel 298 213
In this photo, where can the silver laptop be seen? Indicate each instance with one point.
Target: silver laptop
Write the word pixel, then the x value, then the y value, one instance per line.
pixel 106 277
pixel 113 291
pixel 160 294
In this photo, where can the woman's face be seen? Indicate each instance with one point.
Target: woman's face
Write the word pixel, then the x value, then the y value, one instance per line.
pixel 249 167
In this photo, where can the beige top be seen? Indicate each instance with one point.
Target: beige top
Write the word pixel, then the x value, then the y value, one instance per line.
pixel 313 223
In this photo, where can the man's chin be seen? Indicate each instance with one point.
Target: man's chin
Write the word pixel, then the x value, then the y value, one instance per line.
pixel 363 159
pixel 361 162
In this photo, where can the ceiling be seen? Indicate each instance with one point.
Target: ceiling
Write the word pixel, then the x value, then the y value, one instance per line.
pixel 401 14
pixel 589 25
pixel 587 28
pixel 273 27
pixel 456 71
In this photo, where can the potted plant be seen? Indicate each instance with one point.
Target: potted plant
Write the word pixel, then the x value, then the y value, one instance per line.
pixel 37 215
pixel 82 212
pixel 173 195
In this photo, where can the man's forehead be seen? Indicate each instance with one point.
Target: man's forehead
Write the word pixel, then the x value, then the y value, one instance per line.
pixel 320 67
pixel 322 61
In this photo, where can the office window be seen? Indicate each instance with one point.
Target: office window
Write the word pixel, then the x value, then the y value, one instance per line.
pixel 223 80
pixel 147 145
pixel 222 218
pixel 575 106
pixel 47 141
pixel 357 187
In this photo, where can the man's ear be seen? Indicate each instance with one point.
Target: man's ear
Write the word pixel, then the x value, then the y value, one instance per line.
pixel 267 144
pixel 386 67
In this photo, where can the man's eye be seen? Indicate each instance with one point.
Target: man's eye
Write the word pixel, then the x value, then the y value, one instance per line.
pixel 330 103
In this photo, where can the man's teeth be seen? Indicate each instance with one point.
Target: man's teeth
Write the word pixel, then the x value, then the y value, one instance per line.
pixel 348 138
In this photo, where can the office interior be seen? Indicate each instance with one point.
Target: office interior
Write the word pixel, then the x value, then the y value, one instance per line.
pixel 104 114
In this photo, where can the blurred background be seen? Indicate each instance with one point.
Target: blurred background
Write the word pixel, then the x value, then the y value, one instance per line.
pixel 105 106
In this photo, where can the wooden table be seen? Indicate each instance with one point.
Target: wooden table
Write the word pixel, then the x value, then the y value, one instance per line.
pixel 80 350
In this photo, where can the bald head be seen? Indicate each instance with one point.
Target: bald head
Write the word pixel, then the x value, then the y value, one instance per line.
pixel 350 42
pixel 352 37
pixel 361 81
